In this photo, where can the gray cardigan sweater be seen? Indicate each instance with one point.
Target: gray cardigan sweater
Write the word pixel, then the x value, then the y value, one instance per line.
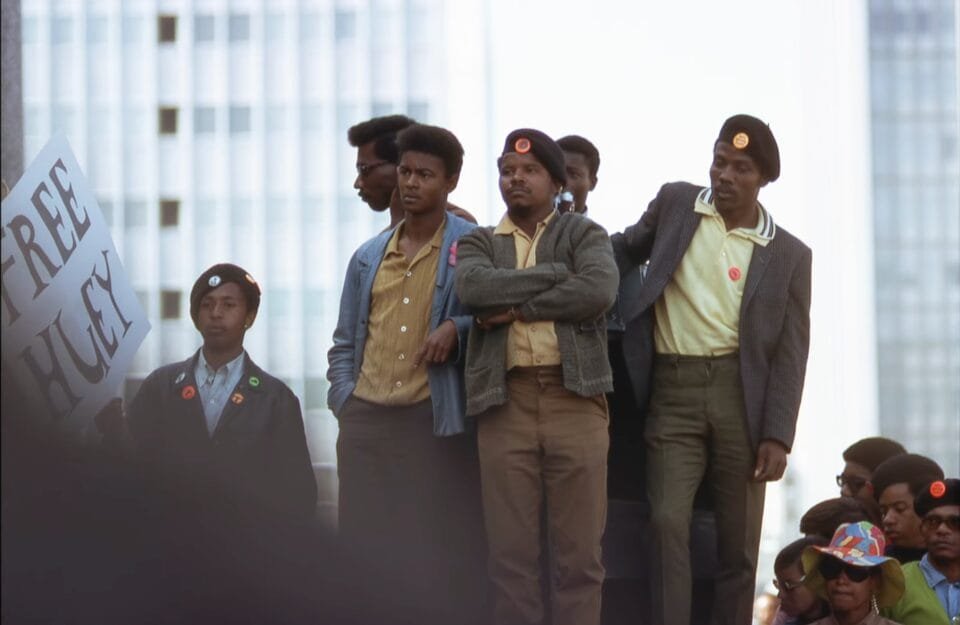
pixel 573 284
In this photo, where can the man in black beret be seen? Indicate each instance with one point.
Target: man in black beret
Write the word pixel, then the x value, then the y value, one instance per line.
pixel 539 284
pixel 860 460
pixel 724 315
pixel 897 481
pixel 217 420
pixel 932 586
pixel 377 160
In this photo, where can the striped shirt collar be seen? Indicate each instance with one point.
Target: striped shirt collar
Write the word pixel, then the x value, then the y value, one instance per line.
pixel 762 234
pixel 203 367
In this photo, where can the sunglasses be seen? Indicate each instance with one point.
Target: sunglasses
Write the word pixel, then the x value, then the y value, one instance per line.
pixel 364 169
pixel 831 568
pixel 787 585
pixel 933 521
pixel 855 483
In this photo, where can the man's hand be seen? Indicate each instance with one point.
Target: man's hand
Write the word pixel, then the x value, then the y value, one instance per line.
pixel 436 349
pixel 498 319
pixel 771 461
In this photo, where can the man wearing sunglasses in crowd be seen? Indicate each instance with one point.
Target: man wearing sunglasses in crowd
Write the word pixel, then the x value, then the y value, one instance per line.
pixel 860 460
pixel 377 160
pixel 932 595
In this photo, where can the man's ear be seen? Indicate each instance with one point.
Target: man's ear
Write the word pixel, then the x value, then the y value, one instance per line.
pixel 452 182
pixel 250 318
pixel 593 182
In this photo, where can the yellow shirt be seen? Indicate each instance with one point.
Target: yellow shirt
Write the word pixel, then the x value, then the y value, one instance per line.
pixel 698 313
pixel 529 344
pixel 400 304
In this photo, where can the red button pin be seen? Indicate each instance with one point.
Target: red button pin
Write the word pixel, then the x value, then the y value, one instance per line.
pixel 236 398
pixel 734 273
pixel 188 392
pixel 938 489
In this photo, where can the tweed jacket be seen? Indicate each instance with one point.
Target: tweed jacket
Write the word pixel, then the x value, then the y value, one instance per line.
pixel 774 312
pixel 573 284
pixel 257 454
pixel 350 337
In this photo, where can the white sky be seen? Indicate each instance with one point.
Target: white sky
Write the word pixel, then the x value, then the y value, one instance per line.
pixel 650 84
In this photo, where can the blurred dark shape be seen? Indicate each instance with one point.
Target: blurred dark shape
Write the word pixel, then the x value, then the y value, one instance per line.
pixel 823 518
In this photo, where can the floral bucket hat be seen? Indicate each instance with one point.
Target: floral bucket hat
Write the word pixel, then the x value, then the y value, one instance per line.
pixel 857 544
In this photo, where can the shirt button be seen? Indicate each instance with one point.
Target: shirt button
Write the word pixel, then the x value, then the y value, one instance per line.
pixel 406 300
pixel 403 328
pixel 409 274
pixel 402 357
pixel 533 329
pixel 399 383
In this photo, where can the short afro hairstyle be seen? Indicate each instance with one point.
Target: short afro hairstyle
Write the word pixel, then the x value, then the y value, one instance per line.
pixel 435 141
pixel 823 518
pixel 870 452
pixel 383 132
pixel 581 145
pixel 790 554
pixel 914 470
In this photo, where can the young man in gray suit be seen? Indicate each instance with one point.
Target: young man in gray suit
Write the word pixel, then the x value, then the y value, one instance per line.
pixel 726 308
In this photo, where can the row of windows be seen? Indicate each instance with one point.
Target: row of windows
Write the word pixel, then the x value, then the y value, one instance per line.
pixel 204 119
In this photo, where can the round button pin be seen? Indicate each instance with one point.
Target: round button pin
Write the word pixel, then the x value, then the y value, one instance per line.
pixel 254 381
pixel 734 273
pixel 740 140
pixel 214 281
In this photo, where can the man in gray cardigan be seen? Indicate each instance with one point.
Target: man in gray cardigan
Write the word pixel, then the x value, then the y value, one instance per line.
pixel 536 373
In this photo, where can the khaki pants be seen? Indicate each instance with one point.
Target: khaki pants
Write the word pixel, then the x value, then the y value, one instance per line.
pixel 697 427
pixel 545 445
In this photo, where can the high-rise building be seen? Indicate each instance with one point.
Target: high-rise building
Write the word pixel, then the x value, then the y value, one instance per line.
pixel 916 199
pixel 215 131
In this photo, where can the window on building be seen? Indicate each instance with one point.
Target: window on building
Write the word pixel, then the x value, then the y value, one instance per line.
pixel 168 120
pixel 345 24
pixel 96 28
pixel 204 28
pixel 204 120
pixel 169 304
pixel 418 110
pixel 106 208
pixel 166 28
pixel 134 213
pixel 315 391
pixel 239 119
pixel 61 30
pixel 169 213
pixel 238 27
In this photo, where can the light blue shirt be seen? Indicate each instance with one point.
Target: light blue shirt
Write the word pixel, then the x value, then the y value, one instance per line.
pixel 947 592
pixel 215 386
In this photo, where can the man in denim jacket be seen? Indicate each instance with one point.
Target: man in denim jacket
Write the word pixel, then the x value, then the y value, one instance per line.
pixel 409 482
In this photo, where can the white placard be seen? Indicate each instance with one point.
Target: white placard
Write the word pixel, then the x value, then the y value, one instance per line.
pixel 71 321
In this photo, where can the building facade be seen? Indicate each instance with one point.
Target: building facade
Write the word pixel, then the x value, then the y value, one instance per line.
pixel 916 199
pixel 215 131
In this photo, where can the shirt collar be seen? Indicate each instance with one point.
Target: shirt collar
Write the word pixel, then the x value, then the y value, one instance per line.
pixel 761 234
pixel 930 573
pixel 506 225
pixel 203 365
pixel 393 245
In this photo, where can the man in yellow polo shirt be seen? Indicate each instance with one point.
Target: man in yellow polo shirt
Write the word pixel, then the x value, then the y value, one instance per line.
pixel 536 373
pixel 409 501
pixel 726 301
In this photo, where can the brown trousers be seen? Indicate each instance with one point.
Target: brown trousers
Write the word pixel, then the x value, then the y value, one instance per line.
pixel 410 512
pixel 545 445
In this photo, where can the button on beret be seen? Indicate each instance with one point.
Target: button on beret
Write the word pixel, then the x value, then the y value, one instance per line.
pixel 936 494
pixel 219 275
pixel 543 148
pixel 750 135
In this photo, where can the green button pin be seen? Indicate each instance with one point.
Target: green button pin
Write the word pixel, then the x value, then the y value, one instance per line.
pixel 254 381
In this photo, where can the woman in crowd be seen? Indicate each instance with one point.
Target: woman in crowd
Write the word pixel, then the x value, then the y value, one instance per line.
pixel 853 575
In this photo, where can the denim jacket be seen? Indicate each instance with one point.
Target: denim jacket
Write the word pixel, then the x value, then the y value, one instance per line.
pixel 346 356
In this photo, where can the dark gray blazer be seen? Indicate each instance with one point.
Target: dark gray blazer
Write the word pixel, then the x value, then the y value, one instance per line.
pixel 774 313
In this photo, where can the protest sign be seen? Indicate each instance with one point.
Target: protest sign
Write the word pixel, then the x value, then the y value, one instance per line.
pixel 71 322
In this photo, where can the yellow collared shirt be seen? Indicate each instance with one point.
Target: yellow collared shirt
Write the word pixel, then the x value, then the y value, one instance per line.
pixel 699 311
pixel 534 343
pixel 400 304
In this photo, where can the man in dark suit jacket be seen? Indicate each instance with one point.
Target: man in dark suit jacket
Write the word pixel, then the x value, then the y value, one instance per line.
pixel 723 316
pixel 216 423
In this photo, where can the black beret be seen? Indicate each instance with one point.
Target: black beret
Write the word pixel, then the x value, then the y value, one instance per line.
pixel 221 274
pixel 870 452
pixel 940 493
pixel 543 148
pixel 750 135
pixel 912 469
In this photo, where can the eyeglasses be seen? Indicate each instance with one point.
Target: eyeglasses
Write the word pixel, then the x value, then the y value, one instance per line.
pixel 786 585
pixel 855 483
pixel 831 568
pixel 364 169
pixel 932 521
